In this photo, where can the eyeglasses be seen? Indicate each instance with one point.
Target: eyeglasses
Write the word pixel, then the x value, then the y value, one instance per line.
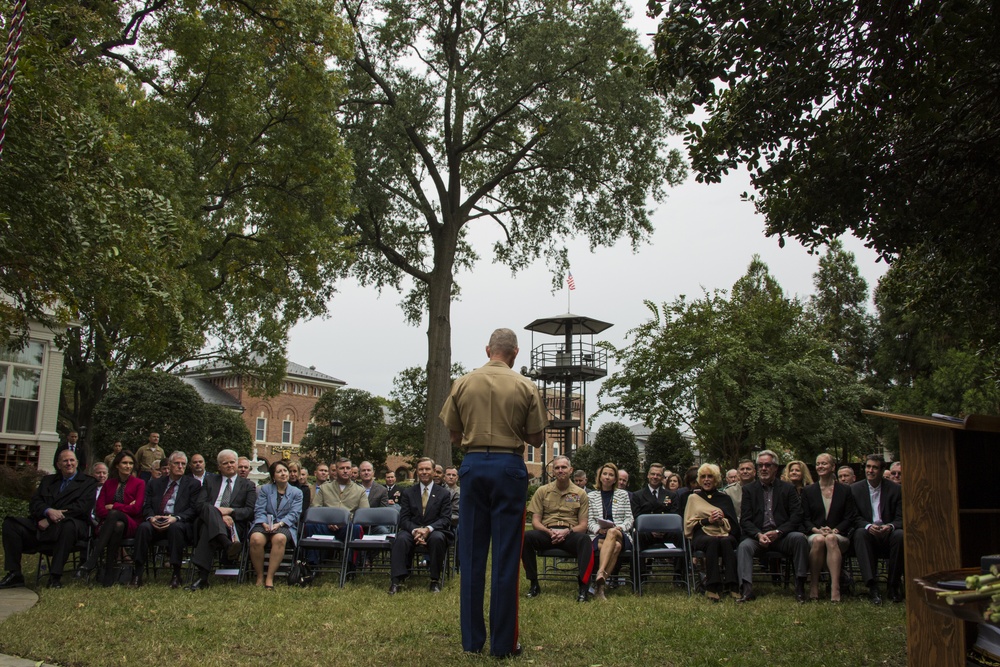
pixel 766 465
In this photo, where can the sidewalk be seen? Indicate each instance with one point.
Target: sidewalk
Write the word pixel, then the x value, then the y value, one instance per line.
pixel 12 601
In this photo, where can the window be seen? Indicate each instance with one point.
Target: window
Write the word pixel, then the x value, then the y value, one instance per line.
pixel 555 449
pixel 286 432
pixel 531 454
pixel 20 382
pixel 261 432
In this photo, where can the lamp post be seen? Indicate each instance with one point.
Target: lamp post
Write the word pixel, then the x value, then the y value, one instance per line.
pixel 336 426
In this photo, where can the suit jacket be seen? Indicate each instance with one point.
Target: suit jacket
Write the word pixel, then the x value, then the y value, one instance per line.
pixel 242 499
pixel 890 504
pixel 378 496
pixel 131 506
pixel 185 497
pixel 76 500
pixel 842 510
pixel 437 515
pixel 643 501
pixel 288 513
pixel 787 508
pixel 394 492
pixel 81 456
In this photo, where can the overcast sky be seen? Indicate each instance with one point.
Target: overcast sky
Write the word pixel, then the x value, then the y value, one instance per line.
pixel 705 237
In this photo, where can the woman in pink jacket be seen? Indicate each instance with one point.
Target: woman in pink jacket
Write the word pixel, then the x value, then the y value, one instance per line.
pixel 119 511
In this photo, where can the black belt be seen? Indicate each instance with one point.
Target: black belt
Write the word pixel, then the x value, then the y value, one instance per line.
pixel 490 450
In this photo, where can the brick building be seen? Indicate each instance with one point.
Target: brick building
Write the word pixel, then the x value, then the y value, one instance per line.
pixel 276 423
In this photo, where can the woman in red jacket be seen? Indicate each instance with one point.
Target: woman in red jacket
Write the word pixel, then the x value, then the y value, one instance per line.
pixel 119 510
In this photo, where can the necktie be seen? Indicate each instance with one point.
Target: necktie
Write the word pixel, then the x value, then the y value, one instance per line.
pixel 423 500
pixel 225 494
pixel 167 496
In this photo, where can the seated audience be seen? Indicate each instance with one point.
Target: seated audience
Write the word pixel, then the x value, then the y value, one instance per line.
pixel 169 513
pixel 878 528
pixel 797 474
pixel 845 475
pixel 769 521
pixel 341 491
pixel 226 505
pixel 197 468
pixel 747 473
pixel 559 512
pixel 711 524
pixel 608 503
pixel 580 478
pixel 119 510
pixel 243 467
pixel 58 515
pixel 424 520
pixel 828 514
pixel 673 482
pixel 276 520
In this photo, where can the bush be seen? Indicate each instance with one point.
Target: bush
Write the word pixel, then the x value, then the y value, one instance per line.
pixel 19 483
pixel 13 507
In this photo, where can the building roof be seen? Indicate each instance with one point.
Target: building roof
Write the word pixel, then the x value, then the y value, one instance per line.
pixel 292 370
pixel 211 394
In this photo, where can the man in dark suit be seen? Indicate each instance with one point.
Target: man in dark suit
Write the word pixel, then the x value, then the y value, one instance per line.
pixel 393 490
pixel 74 445
pixel 653 498
pixel 169 514
pixel 425 520
pixel 225 509
pixel 59 514
pixel 771 518
pixel 878 528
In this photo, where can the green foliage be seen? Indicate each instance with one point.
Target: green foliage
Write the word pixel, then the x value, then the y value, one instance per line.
pixel 363 437
pixel 613 443
pixel 408 411
pixel 741 372
pixel 852 117
pixel 18 483
pixel 506 115
pixel 669 447
pixel 144 401
pixel 173 179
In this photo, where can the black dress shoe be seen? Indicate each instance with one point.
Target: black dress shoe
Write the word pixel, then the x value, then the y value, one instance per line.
pixel 800 592
pixel 534 590
pixel 746 593
pixel 175 581
pixel 234 549
pixel 873 595
pixel 435 587
pixel 199 584
pixel 896 595
pixel 513 654
pixel 394 588
pixel 12 580
pixel 582 595
pixel 55 582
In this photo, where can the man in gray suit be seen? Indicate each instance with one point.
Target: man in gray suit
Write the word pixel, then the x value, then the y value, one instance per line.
pixel 378 495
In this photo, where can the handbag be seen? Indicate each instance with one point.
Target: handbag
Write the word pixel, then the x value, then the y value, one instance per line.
pixel 300 574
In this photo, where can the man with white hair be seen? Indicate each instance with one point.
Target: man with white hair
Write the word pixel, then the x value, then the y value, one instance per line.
pixel 770 517
pixel 225 509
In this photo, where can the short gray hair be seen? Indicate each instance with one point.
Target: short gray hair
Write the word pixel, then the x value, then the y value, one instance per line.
pixel 226 452
pixel 774 457
pixel 178 455
pixel 503 341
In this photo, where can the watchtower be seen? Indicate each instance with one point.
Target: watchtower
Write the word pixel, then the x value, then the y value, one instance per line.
pixel 562 370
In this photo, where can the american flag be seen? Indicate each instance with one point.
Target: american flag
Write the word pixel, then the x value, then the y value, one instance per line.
pixel 570 282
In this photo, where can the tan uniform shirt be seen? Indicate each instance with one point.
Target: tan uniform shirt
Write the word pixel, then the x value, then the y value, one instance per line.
pixel 147 455
pixel 494 406
pixel 560 508
pixel 351 498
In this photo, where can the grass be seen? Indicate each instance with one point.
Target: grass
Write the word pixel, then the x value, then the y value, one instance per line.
pixel 232 623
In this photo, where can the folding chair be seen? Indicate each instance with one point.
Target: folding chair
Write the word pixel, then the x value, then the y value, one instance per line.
pixel 337 516
pixel 674 549
pixel 365 518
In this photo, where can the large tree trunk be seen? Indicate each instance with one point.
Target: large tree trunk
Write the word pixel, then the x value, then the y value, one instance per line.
pixel 437 443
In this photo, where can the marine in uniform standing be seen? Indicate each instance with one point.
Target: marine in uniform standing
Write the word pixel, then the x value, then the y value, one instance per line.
pixel 492 412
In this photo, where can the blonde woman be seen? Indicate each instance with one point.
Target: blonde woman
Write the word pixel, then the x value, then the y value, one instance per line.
pixel 609 522
pixel 827 516
pixel 797 474
pixel 710 522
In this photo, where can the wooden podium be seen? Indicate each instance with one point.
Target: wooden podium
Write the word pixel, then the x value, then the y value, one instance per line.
pixel 951 518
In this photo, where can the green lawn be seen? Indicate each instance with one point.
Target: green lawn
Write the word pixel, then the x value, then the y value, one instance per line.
pixel 361 625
